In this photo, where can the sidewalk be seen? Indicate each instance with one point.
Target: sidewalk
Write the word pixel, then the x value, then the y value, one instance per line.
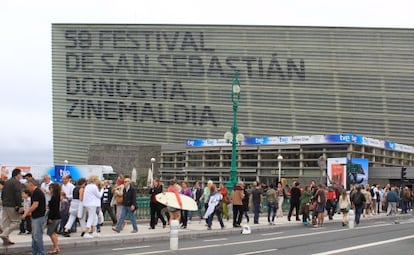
pixel 194 229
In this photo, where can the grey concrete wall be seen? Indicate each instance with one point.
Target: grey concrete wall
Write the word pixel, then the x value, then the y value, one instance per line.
pixel 123 158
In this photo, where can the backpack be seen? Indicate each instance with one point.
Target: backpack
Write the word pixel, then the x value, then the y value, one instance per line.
pixel 357 198
pixel 219 206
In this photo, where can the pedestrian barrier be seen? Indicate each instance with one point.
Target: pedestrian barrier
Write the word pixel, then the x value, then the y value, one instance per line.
pixel 143 211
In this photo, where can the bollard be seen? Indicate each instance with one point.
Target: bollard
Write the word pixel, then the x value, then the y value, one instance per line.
pixel 174 235
pixel 351 218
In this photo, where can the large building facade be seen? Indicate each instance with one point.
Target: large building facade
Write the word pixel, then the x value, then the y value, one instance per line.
pixel 257 158
pixel 160 84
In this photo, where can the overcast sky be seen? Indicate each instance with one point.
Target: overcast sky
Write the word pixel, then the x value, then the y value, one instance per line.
pixel 26 68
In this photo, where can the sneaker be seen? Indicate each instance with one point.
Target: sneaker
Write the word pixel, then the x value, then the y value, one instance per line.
pixel 87 235
pixel 20 233
pixel 208 228
pixel 116 230
pixel 134 231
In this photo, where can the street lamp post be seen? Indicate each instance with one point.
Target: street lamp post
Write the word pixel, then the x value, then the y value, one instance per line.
pixel 279 160
pixel 152 164
pixel 234 137
pixel 64 167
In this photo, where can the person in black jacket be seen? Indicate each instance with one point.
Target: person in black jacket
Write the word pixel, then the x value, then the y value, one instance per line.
pixel 155 206
pixel 197 194
pixel 129 207
pixel 12 205
pixel 53 217
pixel 106 202
pixel 294 200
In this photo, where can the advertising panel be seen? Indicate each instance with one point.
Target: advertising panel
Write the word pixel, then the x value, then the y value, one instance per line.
pixel 347 172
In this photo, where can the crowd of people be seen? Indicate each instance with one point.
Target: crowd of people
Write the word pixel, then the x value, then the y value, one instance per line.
pixel 61 208
pixel 309 203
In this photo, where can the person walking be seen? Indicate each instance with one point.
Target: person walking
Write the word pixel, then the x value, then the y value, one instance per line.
pixel 320 198
pixel 405 199
pixel 37 211
pixel 53 217
pixel 197 194
pixel 214 207
pixel 246 199
pixel 12 205
pixel 272 204
pixel 26 224
pixel 128 207
pixel 294 201
pixel 226 200
pixel 358 201
pixel 392 200
pixel 331 202
pixel 118 196
pixel 45 187
pixel 92 201
pixel 64 212
pixel 155 206
pixel 237 200
pixel 344 206
pixel 206 195
pixel 305 200
pixel 257 200
pixel 281 195
pixel 76 209
pixel 106 202
pixel 186 191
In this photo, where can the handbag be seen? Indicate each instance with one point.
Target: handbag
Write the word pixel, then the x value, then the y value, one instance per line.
pixel 312 206
pixel 80 210
pixel 100 217
pixel 119 200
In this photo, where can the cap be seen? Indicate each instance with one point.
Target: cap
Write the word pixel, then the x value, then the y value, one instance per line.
pixel 27 175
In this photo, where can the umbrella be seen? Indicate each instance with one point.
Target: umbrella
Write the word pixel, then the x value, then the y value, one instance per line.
pixel 171 199
pixel 150 177
pixel 134 175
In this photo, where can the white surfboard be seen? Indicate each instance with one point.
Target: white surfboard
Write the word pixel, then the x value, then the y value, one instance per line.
pixel 170 199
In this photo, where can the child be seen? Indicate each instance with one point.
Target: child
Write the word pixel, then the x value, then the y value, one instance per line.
pixel 64 211
pixel 26 224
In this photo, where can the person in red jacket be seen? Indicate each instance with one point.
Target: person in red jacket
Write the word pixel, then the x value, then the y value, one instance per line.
pixel 331 199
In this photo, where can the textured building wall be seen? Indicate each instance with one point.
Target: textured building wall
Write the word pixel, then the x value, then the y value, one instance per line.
pixel 123 158
pixel 152 84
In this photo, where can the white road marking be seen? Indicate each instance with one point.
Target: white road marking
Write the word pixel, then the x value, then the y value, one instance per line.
pixel 271 234
pixel 257 240
pixel 131 248
pixel 365 245
pixel 256 252
pixel 215 240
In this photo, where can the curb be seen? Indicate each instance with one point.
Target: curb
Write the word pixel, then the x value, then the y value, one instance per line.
pixel 76 242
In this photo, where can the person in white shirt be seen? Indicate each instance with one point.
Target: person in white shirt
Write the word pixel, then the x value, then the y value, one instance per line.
pixel 67 187
pixel 45 187
pixel 92 201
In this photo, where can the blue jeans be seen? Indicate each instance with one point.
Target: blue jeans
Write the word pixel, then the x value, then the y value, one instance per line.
pixel 358 212
pixel 210 218
pixel 190 214
pixel 126 211
pixel 271 211
pixel 37 236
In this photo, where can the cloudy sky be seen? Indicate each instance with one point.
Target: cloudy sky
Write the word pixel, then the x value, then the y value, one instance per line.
pixel 26 136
